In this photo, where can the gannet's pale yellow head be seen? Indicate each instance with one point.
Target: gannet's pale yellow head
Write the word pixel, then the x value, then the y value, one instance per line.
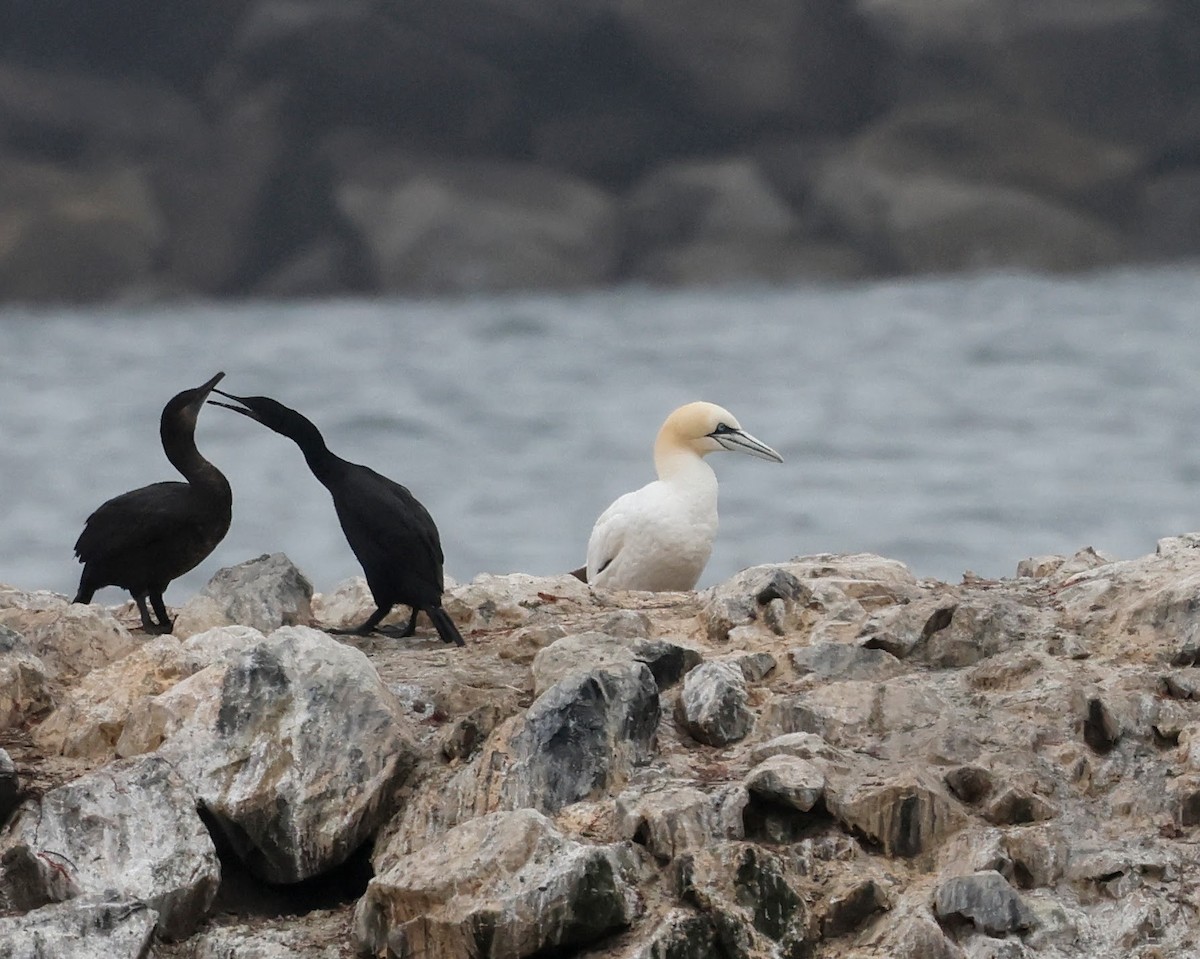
pixel 707 428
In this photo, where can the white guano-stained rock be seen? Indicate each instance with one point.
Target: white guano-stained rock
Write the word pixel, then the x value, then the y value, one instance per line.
pixel 292 747
pixel 129 830
pixel 85 928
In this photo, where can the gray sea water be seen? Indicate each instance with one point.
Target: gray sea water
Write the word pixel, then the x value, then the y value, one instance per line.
pixel 953 424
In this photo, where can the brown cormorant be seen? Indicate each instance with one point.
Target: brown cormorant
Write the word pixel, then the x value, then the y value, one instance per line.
pixel 391 533
pixel 143 539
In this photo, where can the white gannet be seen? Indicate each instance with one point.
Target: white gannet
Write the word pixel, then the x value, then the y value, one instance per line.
pixel 659 537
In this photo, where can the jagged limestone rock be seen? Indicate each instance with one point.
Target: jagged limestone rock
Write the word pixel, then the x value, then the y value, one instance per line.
pixel 129 830
pixel 743 599
pixel 25 689
pixel 906 815
pixel 69 638
pixel 838 661
pixel 587 651
pixel 83 928
pixel 292 747
pixel 91 718
pixel 788 781
pixel 745 890
pixel 714 705
pixel 505 884
pixel 265 593
pixel 986 900
pixel 673 817
pixel 582 737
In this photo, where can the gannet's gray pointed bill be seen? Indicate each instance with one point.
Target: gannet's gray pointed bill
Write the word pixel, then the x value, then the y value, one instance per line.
pixel 739 441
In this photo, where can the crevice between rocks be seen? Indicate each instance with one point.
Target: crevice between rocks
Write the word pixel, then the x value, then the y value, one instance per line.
pixel 245 895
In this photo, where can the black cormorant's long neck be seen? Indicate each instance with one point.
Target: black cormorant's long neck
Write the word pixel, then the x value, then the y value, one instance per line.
pixel 325 465
pixel 180 447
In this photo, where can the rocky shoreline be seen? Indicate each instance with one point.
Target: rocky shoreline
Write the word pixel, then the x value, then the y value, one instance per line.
pixel 285 148
pixel 825 758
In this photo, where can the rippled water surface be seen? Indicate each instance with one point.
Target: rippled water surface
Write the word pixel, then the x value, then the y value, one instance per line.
pixel 953 424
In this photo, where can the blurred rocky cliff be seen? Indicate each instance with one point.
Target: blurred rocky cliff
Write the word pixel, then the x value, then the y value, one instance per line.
pixel 304 147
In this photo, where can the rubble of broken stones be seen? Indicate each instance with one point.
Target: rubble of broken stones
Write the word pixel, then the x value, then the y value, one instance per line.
pixel 824 758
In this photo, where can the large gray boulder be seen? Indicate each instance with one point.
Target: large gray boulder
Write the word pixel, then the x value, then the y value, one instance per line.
pixel 766 60
pixel 265 593
pixel 505 884
pixel 74 234
pixel 986 901
pixel 582 737
pixel 932 223
pixel 467 225
pixel 130 830
pixel 293 747
pixel 1105 67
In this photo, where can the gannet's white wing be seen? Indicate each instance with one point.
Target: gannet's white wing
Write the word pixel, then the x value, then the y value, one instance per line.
pixel 609 534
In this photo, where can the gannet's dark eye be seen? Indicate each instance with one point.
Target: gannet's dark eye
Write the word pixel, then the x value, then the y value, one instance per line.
pixel 722 428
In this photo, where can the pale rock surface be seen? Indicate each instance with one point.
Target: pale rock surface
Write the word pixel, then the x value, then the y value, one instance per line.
pixel 666 660
pixel 788 780
pixel 673 817
pixel 264 593
pixel 140 840
pixel 349 604
pixel 1042 728
pixel 251 941
pixel 490 601
pixel 91 719
pixel 25 689
pixel 504 884
pixel 262 739
pixel 70 639
pixel 83 928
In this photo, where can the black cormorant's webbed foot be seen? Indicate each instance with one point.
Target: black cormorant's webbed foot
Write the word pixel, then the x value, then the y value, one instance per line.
pixel 366 628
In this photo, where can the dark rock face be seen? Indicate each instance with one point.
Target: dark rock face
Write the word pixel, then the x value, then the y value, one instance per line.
pixel 228 149
pixel 986 901
pixel 583 735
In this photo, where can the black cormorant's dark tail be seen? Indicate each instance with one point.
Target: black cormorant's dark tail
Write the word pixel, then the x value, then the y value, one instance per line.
pixel 445 626
pixel 84 595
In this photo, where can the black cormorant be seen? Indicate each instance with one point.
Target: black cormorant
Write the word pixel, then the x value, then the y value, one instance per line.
pixel 143 539
pixel 391 533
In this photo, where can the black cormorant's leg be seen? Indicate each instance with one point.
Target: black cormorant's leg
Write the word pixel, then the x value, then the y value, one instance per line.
pixel 165 623
pixel 148 624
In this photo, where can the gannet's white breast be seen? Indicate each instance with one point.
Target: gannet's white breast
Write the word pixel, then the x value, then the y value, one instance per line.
pixel 658 537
